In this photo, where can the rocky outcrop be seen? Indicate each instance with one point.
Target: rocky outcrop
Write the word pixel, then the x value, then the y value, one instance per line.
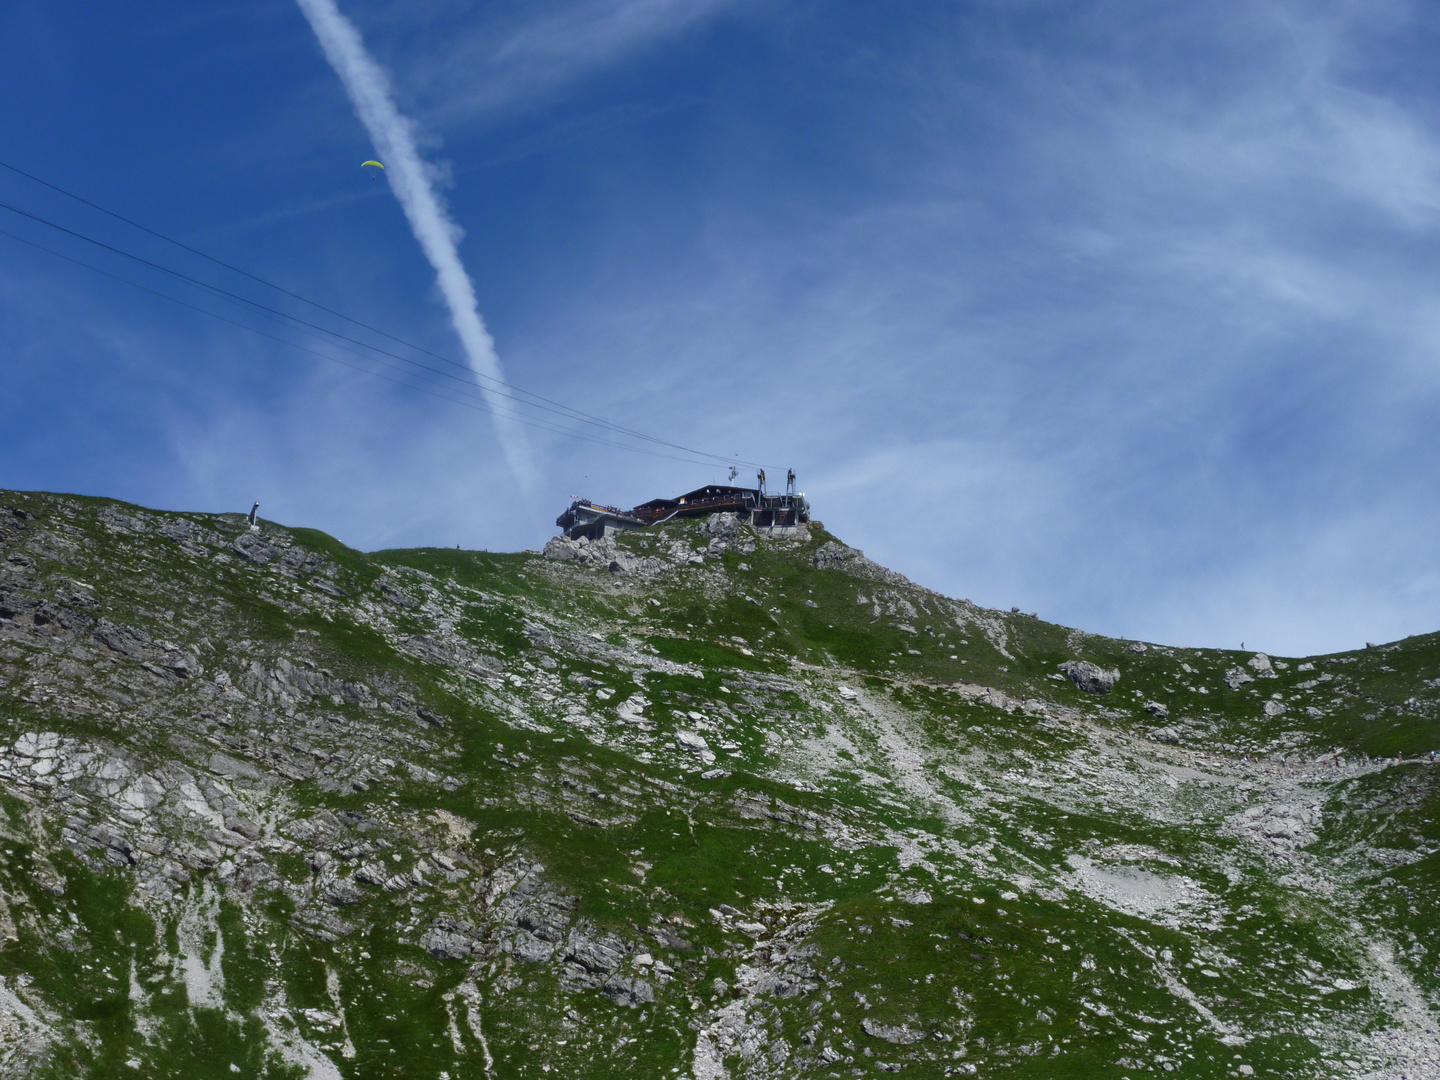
pixel 900 1034
pixel 726 533
pixel 235 768
pixel 680 553
pixel 1237 677
pixel 125 640
pixel 1091 678
pixel 629 991
pixel 833 555
pixel 694 742
pixel 602 554
pixel 1284 825
pixel 395 593
pixel 1262 666
pixel 451 654
pixel 256 548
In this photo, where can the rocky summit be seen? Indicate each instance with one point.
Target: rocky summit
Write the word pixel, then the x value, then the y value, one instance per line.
pixel 690 802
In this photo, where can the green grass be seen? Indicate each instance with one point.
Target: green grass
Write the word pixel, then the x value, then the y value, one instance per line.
pixel 989 981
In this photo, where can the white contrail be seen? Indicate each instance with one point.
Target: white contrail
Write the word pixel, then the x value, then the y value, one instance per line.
pixel 413 182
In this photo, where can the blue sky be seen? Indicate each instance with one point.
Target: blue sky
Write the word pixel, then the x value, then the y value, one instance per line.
pixel 1122 313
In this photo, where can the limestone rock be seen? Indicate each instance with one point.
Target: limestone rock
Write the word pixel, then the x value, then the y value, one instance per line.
pixel 1091 678
pixel 833 555
pixel 447 939
pixel 727 534
pixel 901 1035
pixel 603 553
pixel 593 955
pixel 255 548
pixel 682 554
pixel 371 874
pixel 632 708
pixel 429 649
pixel 538 634
pixel 563 549
pixel 629 991
pixel 297 562
pixel 121 522
pixel 696 744
pixel 125 640
pixel 204 794
pixel 397 594
pixel 1237 677
pixel 1280 825
pixel 342 892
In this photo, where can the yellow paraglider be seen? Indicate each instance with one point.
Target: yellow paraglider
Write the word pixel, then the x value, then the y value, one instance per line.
pixel 375 163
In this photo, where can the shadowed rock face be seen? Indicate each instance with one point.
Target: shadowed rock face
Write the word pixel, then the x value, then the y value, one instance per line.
pixel 685 802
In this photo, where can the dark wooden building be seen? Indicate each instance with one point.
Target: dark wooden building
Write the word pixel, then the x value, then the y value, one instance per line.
pixel 766 512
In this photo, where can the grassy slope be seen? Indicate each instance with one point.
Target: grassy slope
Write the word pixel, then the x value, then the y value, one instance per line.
pixel 1033 985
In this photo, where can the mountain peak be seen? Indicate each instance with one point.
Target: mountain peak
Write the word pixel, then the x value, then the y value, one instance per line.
pixel 691 800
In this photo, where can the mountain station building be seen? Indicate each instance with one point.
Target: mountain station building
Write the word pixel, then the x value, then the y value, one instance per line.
pixel 771 513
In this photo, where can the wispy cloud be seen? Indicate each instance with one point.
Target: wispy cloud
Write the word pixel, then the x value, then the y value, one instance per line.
pixel 302 209
pixel 599 30
pixel 414 182
pixel 518 54
pixel 352 457
pixel 1148 360
pixel 1116 311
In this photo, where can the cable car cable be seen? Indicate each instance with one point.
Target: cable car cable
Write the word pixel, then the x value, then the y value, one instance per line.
pixel 340 315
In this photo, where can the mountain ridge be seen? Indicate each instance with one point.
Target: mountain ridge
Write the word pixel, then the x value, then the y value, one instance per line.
pixel 689 802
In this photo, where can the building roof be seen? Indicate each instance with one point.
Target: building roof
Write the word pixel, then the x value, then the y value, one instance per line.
pixel 708 492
